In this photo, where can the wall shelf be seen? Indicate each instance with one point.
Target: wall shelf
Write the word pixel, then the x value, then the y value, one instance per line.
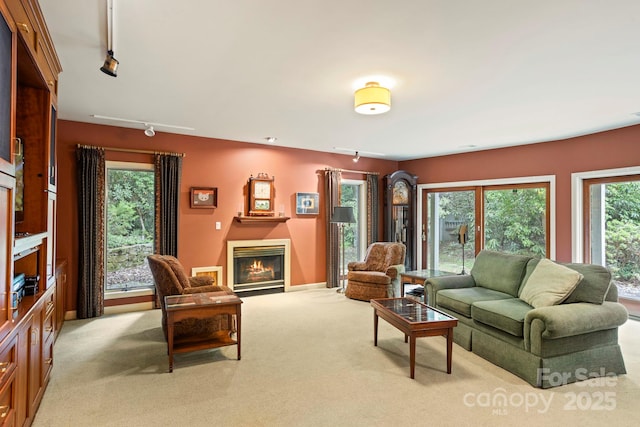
pixel 260 219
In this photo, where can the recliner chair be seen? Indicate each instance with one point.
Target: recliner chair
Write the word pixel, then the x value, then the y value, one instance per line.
pixel 378 276
pixel 170 279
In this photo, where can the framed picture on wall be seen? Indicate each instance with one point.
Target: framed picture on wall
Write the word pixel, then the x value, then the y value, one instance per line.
pixel 204 197
pixel 307 203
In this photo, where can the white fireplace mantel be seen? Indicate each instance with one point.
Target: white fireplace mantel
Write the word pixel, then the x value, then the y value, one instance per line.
pixel 232 244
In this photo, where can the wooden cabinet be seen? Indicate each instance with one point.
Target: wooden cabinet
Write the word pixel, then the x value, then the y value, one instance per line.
pixel 400 193
pixel 35 336
pixel 7 84
pixel 8 368
pixel 29 69
pixel 36 41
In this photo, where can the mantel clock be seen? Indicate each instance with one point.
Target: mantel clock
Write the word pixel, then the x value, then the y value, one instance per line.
pixel 261 195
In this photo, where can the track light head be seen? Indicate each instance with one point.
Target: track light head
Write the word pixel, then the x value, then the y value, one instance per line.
pixel 149 131
pixel 110 66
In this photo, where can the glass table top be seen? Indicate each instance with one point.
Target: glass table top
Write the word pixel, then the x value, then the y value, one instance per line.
pixel 204 298
pixel 413 311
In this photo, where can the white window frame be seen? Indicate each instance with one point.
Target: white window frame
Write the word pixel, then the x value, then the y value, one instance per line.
pixel 577 204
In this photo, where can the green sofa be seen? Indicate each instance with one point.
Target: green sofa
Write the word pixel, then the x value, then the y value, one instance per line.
pixel 555 343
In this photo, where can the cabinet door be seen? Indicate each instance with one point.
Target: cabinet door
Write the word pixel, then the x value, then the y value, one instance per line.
pixel 7 184
pixel 34 382
pixel 7 93
pixel 51 237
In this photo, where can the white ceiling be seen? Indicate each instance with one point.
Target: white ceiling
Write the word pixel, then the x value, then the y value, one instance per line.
pixel 467 74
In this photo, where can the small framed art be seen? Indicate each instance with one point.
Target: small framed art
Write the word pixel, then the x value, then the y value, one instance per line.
pixel 307 203
pixel 204 197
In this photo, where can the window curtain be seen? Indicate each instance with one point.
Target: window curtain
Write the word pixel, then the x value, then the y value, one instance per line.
pixel 168 170
pixel 372 208
pixel 332 192
pixel 91 195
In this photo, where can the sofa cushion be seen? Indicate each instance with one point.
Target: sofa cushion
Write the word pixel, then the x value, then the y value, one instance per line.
pixel 499 271
pixel 507 315
pixel 177 269
pixel 594 285
pixel 376 277
pixel 460 300
pixel 549 284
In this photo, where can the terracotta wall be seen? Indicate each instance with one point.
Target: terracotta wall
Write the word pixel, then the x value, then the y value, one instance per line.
pixel 228 164
pixel 213 163
pixel 606 150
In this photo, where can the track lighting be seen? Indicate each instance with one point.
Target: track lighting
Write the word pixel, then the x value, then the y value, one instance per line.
pixel 356 158
pixel 110 66
pixel 149 131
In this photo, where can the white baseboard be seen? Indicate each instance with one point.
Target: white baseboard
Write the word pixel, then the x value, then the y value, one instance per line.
pixel 125 308
pixel 307 286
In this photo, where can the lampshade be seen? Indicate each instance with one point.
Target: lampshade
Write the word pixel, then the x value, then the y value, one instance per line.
pixel 372 99
pixel 343 214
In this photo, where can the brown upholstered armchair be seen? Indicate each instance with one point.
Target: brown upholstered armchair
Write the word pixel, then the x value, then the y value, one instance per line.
pixel 170 279
pixel 378 276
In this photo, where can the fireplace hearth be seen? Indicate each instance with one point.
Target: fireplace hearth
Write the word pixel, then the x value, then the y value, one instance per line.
pixel 254 265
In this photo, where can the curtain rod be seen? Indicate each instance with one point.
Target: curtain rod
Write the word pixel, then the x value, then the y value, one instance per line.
pixel 351 171
pixel 131 150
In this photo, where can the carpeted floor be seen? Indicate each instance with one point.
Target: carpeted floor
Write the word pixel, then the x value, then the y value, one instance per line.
pixel 308 360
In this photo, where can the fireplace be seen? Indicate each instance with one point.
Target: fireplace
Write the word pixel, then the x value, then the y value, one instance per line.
pixel 254 265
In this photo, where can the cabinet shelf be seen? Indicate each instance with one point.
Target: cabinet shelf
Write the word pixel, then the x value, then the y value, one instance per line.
pixel 24 246
pixel 261 219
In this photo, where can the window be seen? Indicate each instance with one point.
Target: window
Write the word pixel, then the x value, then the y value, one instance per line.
pixel 497 215
pixel 130 223
pixel 353 193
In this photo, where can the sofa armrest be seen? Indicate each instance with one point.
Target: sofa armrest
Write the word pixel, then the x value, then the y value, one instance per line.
pixel 200 289
pixel 395 271
pixel 356 266
pixel 565 320
pixel 197 281
pixel 435 284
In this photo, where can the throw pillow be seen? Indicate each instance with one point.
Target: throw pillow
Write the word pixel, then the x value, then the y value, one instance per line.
pixel 549 284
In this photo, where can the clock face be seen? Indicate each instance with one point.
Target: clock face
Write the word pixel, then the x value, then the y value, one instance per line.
pixel 262 190
pixel 400 193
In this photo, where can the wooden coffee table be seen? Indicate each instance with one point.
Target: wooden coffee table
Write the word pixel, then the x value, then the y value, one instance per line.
pixel 203 305
pixel 415 320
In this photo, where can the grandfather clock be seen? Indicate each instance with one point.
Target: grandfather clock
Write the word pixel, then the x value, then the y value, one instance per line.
pixel 400 194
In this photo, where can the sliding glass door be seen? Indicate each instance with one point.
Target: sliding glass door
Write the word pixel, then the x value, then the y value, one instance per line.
pixel 447 213
pixel 507 218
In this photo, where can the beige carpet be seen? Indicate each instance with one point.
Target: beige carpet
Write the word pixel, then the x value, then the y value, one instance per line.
pixel 308 360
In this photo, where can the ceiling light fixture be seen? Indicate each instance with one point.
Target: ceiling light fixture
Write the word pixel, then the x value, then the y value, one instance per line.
pixel 372 99
pixel 149 131
pixel 358 152
pixel 356 158
pixel 270 139
pixel 110 66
